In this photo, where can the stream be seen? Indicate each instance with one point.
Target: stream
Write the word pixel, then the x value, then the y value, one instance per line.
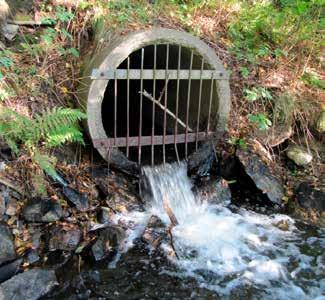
pixel 221 251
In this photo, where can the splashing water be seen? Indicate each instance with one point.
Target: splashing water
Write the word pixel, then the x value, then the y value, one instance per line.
pixel 227 250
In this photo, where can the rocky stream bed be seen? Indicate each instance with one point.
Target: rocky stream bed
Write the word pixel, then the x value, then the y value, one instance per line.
pixel 115 247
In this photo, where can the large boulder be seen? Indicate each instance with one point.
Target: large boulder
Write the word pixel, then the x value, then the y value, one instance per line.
pixel 7 250
pixel 40 210
pixel 299 155
pixel 30 285
pixel 259 172
pixel 308 196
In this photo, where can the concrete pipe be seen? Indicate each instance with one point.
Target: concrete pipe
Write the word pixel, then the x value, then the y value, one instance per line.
pixel 120 108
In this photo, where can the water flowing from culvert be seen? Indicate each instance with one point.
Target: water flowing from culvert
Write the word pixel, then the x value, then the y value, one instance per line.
pixel 234 251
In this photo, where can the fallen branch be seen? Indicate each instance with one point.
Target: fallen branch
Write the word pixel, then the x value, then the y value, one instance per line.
pixel 10 185
pixel 28 23
pixel 147 95
pixel 170 213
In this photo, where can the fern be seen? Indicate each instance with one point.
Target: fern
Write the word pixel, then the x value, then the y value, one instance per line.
pixel 51 128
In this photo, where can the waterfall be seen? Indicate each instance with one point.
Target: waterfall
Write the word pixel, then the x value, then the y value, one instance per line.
pixel 228 249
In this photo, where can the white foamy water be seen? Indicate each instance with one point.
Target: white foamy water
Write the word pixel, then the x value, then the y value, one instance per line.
pixel 228 251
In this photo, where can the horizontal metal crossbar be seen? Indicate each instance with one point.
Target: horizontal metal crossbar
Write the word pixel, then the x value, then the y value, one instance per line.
pixel 157 74
pixel 149 140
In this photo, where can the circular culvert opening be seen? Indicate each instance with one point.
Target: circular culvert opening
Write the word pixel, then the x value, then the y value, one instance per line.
pixel 203 104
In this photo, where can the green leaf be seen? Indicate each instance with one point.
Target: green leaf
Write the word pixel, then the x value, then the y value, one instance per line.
pixel 74 52
pixel 6 62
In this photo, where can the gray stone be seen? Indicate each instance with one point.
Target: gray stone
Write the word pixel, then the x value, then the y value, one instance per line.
pixel 299 155
pixel 9 31
pixel 30 285
pixel 261 176
pixel 155 232
pixel 41 210
pixel 64 238
pixel 310 197
pixel 214 191
pixel 9 270
pixel 200 162
pixel 110 240
pixel 75 198
pixel 7 250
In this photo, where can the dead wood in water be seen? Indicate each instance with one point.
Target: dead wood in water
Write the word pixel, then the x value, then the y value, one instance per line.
pixel 170 213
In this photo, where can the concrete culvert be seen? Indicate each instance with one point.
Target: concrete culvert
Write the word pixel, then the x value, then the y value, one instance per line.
pixel 153 97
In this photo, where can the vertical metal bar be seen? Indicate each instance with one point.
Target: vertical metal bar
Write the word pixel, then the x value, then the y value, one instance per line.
pixel 165 104
pixel 199 106
pixel 153 105
pixel 177 101
pixel 141 100
pixel 128 108
pixel 188 102
pixel 210 103
pixel 115 108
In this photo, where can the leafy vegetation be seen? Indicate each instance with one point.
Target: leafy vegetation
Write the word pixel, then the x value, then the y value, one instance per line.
pixel 49 129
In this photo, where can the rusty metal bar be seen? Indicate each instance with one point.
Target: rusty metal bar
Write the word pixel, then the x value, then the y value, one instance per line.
pixel 177 100
pixel 199 105
pixel 210 104
pixel 165 110
pixel 134 74
pixel 141 100
pixel 128 110
pixel 153 105
pixel 115 108
pixel 147 140
pixel 188 102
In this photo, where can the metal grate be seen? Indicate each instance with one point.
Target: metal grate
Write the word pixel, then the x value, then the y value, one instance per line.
pixel 190 135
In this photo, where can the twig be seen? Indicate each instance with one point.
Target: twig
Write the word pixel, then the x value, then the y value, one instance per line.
pixel 28 23
pixel 147 95
pixel 10 185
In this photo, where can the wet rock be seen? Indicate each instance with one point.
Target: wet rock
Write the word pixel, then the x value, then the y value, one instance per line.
pixel 7 250
pixel 155 232
pixel 9 270
pixel 32 257
pixel 104 215
pixel 214 191
pixel 30 285
pixel 64 238
pixel 283 225
pixel 36 234
pixel 75 198
pixel 261 175
pixel 119 161
pixel 41 210
pixel 299 155
pixel 309 197
pixel 110 240
pixel 200 162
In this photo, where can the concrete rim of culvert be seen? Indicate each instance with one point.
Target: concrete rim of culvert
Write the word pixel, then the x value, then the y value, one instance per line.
pixel 136 41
